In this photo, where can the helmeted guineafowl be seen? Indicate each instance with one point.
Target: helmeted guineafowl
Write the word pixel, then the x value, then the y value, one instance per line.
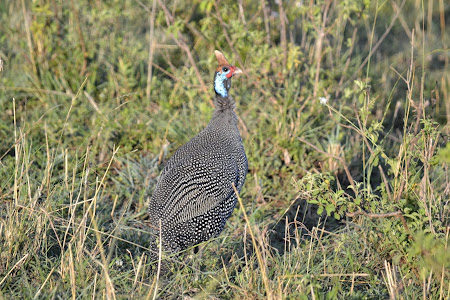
pixel 194 196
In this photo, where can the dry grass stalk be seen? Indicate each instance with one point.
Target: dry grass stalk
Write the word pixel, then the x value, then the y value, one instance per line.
pixel 390 279
pixel 261 261
pixel 152 44
pixel 29 41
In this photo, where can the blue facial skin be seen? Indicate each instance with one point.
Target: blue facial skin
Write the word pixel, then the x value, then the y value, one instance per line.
pixel 219 83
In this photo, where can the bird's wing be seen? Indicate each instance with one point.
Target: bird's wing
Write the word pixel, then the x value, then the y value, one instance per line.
pixel 194 186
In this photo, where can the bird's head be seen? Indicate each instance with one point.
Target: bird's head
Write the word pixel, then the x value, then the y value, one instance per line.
pixel 224 72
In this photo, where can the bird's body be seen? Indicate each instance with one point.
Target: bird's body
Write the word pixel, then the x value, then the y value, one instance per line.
pixel 194 196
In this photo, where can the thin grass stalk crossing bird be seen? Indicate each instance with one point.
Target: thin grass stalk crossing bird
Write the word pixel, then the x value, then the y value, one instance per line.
pixel 194 196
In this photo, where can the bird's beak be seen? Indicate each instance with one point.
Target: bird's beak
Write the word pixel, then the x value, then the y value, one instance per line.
pixel 237 71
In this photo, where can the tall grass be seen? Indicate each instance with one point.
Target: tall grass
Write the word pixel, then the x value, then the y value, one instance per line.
pixel 344 112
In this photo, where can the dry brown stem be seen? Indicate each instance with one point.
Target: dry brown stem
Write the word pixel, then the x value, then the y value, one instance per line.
pixel 397 214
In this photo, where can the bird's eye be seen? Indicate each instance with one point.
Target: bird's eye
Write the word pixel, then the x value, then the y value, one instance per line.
pixel 225 69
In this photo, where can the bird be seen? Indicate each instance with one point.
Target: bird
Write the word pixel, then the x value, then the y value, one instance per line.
pixel 194 196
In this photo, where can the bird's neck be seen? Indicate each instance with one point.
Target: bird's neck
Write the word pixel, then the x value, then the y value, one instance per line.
pixel 224 109
pixel 223 103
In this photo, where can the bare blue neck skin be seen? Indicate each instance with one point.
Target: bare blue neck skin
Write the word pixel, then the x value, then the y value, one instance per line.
pixel 219 84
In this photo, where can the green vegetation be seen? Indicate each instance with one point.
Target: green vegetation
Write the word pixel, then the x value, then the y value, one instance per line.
pixel 344 111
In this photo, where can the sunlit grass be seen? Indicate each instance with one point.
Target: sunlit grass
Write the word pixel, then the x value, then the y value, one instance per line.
pixel 344 118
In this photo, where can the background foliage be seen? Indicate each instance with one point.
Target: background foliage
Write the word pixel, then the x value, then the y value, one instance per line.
pixel 344 112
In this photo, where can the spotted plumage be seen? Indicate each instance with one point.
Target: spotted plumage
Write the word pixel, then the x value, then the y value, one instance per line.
pixel 194 196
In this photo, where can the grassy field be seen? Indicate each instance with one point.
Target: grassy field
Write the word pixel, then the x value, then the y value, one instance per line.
pixel 344 111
